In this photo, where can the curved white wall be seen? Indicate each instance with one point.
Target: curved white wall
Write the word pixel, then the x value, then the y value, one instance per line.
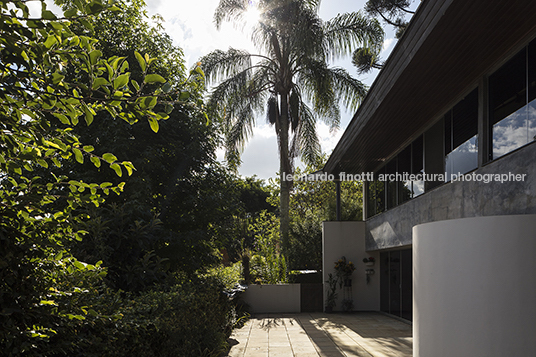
pixel 474 287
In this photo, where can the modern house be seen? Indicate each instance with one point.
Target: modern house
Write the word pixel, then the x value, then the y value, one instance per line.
pixel 447 131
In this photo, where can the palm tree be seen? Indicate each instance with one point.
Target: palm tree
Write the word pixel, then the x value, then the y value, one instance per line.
pixel 289 79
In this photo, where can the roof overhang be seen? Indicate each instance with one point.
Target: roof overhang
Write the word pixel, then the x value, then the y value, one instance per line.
pixel 447 48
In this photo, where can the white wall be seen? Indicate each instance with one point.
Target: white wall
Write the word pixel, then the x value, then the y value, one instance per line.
pixel 280 298
pixel 474 287
pixel 348 239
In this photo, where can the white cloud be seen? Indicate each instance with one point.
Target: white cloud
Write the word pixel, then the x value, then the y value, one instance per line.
pixel 387 46
pixel 191 26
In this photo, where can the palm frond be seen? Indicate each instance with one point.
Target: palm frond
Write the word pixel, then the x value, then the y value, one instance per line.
pixel 350 90
pixel 222 64
pixel 230 10
pixel 346 32
pixel 239 128
pixel 316 83
pixel 305 142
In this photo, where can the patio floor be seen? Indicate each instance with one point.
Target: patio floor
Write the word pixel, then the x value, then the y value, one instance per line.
pixel 368 334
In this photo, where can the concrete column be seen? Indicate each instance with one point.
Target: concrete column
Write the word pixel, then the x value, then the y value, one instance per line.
pixel 474 287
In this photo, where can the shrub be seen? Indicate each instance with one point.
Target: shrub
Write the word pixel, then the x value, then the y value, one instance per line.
pixel 228 276
pixel 187 320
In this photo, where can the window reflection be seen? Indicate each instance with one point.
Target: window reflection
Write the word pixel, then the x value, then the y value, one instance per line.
pixel 512 93
pixel 462 159
pixel 510 133
pixel 532 120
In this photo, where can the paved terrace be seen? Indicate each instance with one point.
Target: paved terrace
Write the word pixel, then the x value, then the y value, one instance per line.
pixel 367 334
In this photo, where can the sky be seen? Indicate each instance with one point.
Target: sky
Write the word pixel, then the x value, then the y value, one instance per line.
pixel 190 25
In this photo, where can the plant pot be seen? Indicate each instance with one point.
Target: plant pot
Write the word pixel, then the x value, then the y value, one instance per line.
pixel 329 309
pixel 369 264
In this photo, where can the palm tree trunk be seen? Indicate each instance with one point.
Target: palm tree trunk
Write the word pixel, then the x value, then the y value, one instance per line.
pixel 285 172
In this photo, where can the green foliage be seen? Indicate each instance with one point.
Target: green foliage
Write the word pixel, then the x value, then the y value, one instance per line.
pixel 313 202
pixel 192 319
pixel 267 265
pixel 391 12
pixel 176 181
pixel 289 79
pixel 53 81
pixel 124 239
pixel 189 319
pixel 229 276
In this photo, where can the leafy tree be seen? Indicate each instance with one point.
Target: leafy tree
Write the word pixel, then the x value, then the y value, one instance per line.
pixel 393 12
pixel 289 79
pixel 53 80
pixel 179 193
pixel 313 202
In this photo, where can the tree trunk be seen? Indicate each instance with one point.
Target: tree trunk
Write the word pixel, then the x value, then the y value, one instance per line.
pixel 285 173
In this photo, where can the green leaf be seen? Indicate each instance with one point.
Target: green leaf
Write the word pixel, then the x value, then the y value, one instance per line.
pixel 78 155
pixel 149 102
pixel 98 82
pixel 166 88
pixel 70 13
pixel 57 78
pixel 48 15
pixel 199 71
pixel 154 124
pixel 50 41
pixel 168 108
pixel 121 81
pixel 96 161
pixel 124 66
pixel 62 118
pixel 88 148
pixel 109 158
pixel 117 169
pixel 129 167
pixel 141 61
pixel 184 95
pixel 94 8
pixel 88 114
pixel 135 84
pixel 94 56
pixel 154 78
pixel 86 24
pixel 43 163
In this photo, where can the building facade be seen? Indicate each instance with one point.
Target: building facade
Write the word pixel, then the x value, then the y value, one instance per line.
pixel 448 130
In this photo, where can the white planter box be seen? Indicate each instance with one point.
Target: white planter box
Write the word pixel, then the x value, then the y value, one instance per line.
pixel 276 298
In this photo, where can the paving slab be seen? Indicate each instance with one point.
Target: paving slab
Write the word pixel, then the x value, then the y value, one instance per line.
pixel 362 334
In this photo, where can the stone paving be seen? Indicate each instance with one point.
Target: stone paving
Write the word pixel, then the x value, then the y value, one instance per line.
pixel 367 334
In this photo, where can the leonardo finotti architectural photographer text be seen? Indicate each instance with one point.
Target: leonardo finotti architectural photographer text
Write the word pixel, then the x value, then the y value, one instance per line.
pixel 369 176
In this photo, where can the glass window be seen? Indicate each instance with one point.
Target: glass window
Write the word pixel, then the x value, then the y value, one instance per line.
pixel 512 107
pixel 379 187
pixel 532 92
pixel 417 166
pixel 404 167
pixel 434 157
pixel 376 194
pixel 391 183
pixel 461 129
pixel 371 199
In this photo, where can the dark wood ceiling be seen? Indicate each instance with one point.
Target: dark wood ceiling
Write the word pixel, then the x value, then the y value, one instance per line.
pixel 448 47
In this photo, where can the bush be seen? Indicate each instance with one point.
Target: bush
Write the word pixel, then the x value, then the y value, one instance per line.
pixel 228 276
pixel 187 320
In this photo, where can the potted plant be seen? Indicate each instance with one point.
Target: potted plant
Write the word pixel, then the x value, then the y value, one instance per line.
pixel 344 271
pixel 331 299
